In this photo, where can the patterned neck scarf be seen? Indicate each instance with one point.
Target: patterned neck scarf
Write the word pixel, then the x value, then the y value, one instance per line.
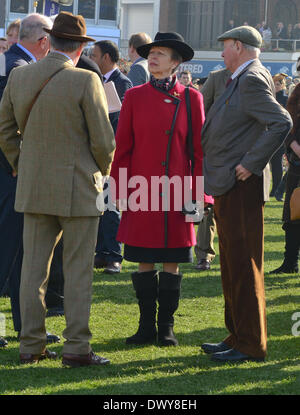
pixel 166 84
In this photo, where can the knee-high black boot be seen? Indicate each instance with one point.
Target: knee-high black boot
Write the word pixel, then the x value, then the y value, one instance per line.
pixel 291 253
pixel 145 285
pixel 168 300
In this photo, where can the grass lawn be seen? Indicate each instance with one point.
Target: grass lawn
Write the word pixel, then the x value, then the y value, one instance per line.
pixel 182 370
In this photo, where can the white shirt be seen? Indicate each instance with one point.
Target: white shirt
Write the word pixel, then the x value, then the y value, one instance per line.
pixel 108 75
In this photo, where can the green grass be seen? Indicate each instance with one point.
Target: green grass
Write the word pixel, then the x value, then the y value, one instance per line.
pixel 182 370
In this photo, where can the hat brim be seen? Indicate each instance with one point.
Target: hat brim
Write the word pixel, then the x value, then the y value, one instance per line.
pixel 184 50
pixel 61 35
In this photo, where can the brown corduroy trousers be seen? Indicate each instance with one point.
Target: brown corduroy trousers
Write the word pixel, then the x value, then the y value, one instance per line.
pixel 240 225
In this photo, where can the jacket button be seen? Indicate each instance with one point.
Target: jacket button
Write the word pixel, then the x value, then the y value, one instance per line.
pixel 163 163
pixel 167 132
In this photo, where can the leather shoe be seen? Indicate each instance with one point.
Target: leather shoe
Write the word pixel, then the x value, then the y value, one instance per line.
pixel 99 263
pixel 35 358
pixel 203 265
pixel 3 342
pixel 234 356
pixel 112 268
pixel 214 347
pixel 77 360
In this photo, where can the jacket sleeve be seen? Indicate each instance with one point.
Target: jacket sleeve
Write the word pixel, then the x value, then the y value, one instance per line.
pixel 94 106
pixel 208 93
pixel 259 103
pixel 10 138
pixel 137 75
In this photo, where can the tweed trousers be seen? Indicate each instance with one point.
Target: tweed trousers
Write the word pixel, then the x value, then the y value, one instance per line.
pixel 41 234
pixel 240 225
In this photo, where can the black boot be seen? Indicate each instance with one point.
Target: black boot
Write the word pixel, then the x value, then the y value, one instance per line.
pixel 145 285
pixel 168 300
pixel 291 254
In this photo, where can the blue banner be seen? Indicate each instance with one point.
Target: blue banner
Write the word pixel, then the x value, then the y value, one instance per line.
pixel 201 68
pixel 51 8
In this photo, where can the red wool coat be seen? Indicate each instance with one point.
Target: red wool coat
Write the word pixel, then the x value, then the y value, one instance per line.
pixel 142 139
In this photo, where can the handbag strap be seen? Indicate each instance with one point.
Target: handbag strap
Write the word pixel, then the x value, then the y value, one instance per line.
pixel 190 130
pixel 37 95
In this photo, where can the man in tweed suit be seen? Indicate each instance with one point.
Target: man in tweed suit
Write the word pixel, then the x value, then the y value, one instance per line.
pixel 242 130
pixel 67 143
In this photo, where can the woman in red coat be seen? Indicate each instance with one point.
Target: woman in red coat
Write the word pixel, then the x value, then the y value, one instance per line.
pixel 152 151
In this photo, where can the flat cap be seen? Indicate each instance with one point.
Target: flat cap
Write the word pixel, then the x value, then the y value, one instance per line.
pixel 245 34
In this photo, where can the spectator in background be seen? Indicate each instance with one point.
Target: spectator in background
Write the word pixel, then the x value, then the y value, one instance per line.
pixel 296 31
pixel 185 78
pixel 291 227
pixel 108 250
pixel 276 160
pixel 139 73
pixel 3 45
pixel 12 32
pixel 33 45
pixel 266 34
pixel 230 25
pixel 281 33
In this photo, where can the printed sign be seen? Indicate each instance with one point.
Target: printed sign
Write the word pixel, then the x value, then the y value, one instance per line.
pixel 201 68
pixel 51 8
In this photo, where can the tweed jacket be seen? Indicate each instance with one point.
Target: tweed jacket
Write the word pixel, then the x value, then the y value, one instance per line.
pixel 68 137
pixel 214 86
pixel 246 125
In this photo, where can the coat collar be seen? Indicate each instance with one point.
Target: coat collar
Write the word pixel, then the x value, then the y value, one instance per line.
pixel 227 93
pixel 15 49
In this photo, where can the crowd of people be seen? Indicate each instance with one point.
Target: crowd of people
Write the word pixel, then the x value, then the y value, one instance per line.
pixel 280 36
pixel 59 158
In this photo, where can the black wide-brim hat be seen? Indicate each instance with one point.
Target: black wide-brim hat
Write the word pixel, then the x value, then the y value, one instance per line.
pixel 170 40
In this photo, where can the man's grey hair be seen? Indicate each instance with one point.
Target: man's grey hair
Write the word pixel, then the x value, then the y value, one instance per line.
pixel 251 48
pixel 31 28
pixel 64 45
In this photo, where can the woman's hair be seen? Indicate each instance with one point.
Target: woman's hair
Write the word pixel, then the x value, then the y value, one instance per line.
pixel 15 25
pixel 175 56
pixel 281 78
pixel 293 107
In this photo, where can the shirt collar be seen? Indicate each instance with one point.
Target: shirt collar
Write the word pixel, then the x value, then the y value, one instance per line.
pixel 241 68
pixel 64 54
pixel 27 52
pixel 108 75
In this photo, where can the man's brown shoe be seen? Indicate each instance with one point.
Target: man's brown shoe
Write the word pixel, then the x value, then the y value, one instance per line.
pixel 77 360
pixel 35 358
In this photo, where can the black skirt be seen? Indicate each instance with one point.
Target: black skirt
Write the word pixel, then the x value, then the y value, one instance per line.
pixel 293 181
pixel 158 255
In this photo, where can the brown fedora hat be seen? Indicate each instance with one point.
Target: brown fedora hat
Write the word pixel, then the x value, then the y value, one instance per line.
pixel 68 26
